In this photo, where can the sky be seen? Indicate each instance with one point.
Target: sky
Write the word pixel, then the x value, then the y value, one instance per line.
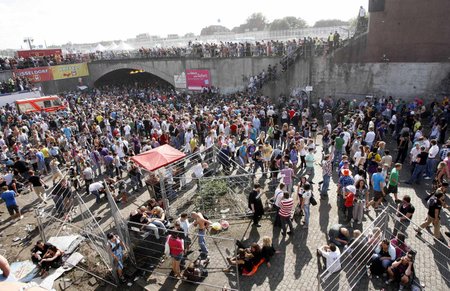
pixel 57 22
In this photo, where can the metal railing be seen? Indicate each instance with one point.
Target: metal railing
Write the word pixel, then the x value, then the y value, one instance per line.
pixel 357 256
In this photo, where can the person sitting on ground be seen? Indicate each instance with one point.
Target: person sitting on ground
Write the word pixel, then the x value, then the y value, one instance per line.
pixel 157 221
pixel 267 250
pixel 402 270
pixel 401 248
pixel 331 253
pixel 52 258
pixel 339 235
pixel 382 258
pixel 39 250
pixel 241 261
pixel 196 271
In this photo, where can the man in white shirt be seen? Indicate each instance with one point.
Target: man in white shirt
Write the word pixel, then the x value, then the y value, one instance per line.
pixel 432 160
pixel 346 137
pixel 276 203
pixel 370 137
pixel 95 189
pixel 332 255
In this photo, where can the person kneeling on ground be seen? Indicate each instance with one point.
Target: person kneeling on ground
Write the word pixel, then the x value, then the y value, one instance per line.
pixel 331 253
pixel 339 235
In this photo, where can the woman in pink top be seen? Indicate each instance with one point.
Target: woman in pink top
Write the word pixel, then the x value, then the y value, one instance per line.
pixel 175 248
pixel 288 174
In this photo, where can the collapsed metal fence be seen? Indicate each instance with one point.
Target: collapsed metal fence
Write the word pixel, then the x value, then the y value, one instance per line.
pixel 356 258
pixel 66 213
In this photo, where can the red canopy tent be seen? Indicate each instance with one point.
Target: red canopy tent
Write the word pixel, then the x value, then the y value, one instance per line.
pixel 158 157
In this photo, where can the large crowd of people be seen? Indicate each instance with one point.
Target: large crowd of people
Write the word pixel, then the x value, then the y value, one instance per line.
pixel 226 49
pixel 16 84
pixel 11 63
pixel 99 130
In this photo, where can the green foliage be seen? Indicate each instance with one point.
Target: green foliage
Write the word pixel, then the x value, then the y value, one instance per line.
pixel 255 22
pixel 210 193
pixel 212 29
pixel 288 22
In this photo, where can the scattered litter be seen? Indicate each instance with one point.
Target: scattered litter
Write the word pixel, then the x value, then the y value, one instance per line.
pixel 92 281
pixel 16 239
pixel 129 284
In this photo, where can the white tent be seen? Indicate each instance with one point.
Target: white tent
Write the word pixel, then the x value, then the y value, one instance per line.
pixel 112 47
pixel 124 47
pixel 99 48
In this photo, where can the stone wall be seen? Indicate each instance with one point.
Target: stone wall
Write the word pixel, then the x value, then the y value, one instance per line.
pixel 360 79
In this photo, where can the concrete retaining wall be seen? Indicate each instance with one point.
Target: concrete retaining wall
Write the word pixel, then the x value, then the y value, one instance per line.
pixel 352 79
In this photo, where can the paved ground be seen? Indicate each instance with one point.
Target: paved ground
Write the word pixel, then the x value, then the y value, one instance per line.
pixel 295 268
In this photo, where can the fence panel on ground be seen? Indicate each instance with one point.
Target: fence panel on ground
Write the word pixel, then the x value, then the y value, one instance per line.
pixel 66 214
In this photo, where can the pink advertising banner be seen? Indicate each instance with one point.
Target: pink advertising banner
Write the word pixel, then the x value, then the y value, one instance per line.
pixel 197 79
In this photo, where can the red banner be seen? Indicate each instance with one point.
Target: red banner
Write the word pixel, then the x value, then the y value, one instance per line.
pixel 39 53
pixel 40 74
pixel 198 79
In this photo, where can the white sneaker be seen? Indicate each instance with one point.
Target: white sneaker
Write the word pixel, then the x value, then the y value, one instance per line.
pixel 427 178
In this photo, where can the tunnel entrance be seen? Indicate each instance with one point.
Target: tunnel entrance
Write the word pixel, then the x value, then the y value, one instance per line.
pixel 132 77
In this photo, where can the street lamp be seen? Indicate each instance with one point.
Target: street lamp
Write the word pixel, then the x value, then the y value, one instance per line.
pixel 29 40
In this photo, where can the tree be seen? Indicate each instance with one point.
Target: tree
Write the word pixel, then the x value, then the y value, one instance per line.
pixel 255 22
pixel 212 29
pixel 330 22
pixel 288 22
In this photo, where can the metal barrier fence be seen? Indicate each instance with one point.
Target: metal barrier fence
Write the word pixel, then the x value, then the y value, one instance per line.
pixel 356 258
pixel 65 213
pixel 146 248
pixel 182 191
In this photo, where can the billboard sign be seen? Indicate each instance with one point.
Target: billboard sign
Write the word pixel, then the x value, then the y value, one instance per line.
pixel 38 53
pixel 70 71
pixel 197 79
pixel 40 74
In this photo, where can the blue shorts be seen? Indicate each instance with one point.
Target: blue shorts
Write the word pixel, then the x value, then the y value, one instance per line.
pixel 177 258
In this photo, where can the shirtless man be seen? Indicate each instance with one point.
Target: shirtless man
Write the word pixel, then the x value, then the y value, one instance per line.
pixel 203 224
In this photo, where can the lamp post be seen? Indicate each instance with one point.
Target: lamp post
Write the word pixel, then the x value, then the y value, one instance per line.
pixel 29 40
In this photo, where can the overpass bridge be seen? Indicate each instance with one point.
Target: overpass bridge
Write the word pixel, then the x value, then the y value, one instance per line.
pixel 229 74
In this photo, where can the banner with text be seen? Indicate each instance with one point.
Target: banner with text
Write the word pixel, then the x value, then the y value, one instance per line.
pixel 38 53
pixel 70 71
pixel 197 79
pixel 40 74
